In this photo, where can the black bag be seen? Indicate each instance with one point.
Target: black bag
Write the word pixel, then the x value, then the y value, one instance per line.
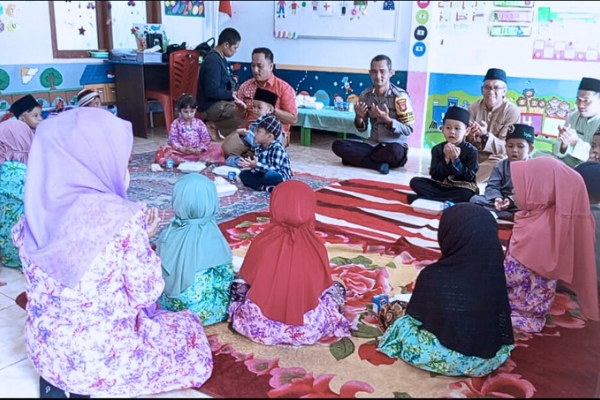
pixel 204 47
pixel 171 48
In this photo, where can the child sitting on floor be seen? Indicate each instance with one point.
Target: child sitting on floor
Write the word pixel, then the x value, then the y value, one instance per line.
pixel 26 109
pixel 263 103
pixel 189 139
pixel 270 164
pixel 286 294
pixel 498 196
pixel 454 163
pixel 595 149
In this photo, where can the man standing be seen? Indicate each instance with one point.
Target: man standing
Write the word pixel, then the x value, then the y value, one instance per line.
pixel 574 138
pixel 389 110
pixel 492 115
pixel 286 110
pixel 216 86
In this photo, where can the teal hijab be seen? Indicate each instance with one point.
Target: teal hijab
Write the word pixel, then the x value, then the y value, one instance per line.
pixel 192 242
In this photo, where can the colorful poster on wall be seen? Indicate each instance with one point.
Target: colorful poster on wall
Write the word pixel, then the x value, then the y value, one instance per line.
pixel 568 33
pixel 185 8
pixel 528 4
pixel 461 17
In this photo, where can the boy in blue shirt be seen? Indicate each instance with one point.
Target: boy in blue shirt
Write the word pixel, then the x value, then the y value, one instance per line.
pixel 271 163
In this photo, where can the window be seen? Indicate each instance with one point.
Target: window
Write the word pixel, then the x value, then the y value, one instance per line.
pixel 80 26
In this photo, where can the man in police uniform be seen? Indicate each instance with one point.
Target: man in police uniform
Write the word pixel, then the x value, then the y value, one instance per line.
pixel 389 110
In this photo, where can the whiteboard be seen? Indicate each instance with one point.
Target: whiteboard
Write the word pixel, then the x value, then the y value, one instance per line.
pixel 363 20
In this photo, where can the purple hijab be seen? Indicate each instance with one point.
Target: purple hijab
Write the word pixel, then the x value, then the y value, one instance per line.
pixel 75 190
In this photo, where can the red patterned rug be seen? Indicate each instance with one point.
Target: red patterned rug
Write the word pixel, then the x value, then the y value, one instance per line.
pixel 377 243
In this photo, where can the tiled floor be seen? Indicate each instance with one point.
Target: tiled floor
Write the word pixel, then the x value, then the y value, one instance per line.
pixel 17 375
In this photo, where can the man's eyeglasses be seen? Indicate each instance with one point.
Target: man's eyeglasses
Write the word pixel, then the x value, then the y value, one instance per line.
pixel 495 88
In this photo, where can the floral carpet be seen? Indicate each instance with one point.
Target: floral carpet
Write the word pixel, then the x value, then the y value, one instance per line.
pixel 155 189
pixel 377 244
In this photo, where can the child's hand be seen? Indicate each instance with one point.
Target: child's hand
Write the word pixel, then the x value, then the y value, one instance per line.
pixel 247 163
pixel 502 203
pixel 242 132
pixel 152 221
pixel 238 102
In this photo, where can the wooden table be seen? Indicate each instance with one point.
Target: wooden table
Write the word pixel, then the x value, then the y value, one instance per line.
pixel 132 79
pixel 327 119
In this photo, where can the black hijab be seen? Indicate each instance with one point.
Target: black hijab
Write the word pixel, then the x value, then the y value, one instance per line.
pixel 590 172
pixel 462 298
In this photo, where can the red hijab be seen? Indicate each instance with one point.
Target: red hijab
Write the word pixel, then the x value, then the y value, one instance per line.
pixel 287 266
pixel 554 232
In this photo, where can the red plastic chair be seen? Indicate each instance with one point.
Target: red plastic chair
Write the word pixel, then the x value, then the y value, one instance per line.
pixel 183 78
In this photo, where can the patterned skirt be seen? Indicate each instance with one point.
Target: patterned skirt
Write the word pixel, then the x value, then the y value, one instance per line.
pixel 323 324
pixel 406 339
pixel 530 295
pixel 12 184
pixel 207 297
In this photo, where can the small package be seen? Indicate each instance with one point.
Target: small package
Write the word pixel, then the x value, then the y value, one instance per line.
pixel 224 188
pixel 428 206
pixel 156 167
pixel 379 301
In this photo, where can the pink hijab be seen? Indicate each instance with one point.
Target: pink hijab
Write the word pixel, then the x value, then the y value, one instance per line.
pixel 75 190
pixel 15 141
pixel 554 232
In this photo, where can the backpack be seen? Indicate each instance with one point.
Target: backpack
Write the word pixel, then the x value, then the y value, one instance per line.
pixel 171 48
pixel 204 47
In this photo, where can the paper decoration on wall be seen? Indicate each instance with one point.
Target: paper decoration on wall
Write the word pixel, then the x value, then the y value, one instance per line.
pixel 14 26
pixel 568 33
pixel 294 7
pixel 285 35
pixel 514 3
pixel 51 78
pixel 510 30
pixel 326 9
pixel 280 9
pixel 388 5
pixel 512 16
pixel 4 80
pixel 27 74
pixel 1 26
pixel 10 10
pixel 185 8
pixel 461 17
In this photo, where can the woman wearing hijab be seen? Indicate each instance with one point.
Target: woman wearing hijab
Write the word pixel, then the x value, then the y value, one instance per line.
pixel 457 321
pixel 196 258
pixel 555 217
pixel 590 172
pixel 92 278
pixel 291 299
pixel 15 141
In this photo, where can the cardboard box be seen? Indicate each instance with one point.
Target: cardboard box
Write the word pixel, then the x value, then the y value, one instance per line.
pixel 149 57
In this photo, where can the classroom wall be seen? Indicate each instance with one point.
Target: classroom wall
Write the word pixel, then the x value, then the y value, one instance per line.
pixel 255 22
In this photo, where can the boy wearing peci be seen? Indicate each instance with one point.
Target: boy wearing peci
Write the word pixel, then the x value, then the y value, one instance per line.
pixel 271 163
pixel 498 196
pixel 454 163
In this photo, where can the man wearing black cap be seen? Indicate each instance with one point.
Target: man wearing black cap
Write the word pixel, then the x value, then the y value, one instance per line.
pixel 575 137
pixel 28 110
pixel 498 196
pixel 491 116
pixel 285 108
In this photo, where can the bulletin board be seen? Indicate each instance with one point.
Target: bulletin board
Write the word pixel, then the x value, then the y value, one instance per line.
pixel 362 20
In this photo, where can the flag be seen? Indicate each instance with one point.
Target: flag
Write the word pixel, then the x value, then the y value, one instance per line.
pixel 224 11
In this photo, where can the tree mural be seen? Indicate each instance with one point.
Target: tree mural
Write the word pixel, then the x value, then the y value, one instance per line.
pixel 51 78
pixel 4 80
